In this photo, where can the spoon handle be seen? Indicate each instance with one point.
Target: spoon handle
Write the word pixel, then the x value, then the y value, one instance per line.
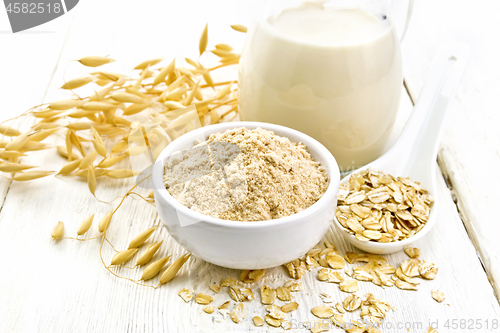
pixel 416 148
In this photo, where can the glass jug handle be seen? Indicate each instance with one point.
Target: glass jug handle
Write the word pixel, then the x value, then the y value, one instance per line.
pixel 409 11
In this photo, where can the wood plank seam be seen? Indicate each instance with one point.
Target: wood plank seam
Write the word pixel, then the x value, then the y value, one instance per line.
pixel 405 85
pixel 467 225
pixel 463 216
pixel 4 199
pixel 59 57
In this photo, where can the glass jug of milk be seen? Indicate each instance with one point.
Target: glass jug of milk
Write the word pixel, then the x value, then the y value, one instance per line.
pixel 330 69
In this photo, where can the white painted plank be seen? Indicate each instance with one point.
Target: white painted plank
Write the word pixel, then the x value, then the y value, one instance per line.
pixel 46 278
pixel 470 146
pixel 27 63
pixel 62 286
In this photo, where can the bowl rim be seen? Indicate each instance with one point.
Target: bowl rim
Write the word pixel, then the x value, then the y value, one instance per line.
pixel 331 169
pixel 392 245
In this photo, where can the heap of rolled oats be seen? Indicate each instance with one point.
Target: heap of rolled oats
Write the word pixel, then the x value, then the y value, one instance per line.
pixel 378 207
pixel 239 293
pixel 374 268
pixel 373 311
pixel 331 267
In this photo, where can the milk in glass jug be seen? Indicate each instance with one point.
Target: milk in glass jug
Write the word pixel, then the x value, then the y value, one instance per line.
pixel 330 69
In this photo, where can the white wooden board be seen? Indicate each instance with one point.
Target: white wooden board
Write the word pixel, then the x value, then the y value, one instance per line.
pixel 470 146
pixel 26 70
pixel 51 286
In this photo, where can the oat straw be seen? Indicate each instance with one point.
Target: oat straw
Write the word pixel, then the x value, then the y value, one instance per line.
pixel 153 269
pixel 91 179
pixel 98 143
pixel 13 167
pixel 85 225
pixel 95 61
pixel 148 254
pixel 78 82
pixel 148 63
pixel 126 97
pixel 104 222
pixel 164 72
pixel 102 117
pixel 123 256
pixel 139 240
pixel 31 175
pixel 239 27
pixel 65 104
pixel 110 161
pixel 58 231
pixel 8 131
pixel 120 173
pixel 172 270
pixel 203 40
pixel 69 167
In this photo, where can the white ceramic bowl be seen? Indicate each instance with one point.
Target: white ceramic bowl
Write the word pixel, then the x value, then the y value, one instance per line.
pixel 386 248
pixel 247 245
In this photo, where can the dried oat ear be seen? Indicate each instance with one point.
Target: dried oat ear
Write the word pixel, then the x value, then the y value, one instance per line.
pixel 101 119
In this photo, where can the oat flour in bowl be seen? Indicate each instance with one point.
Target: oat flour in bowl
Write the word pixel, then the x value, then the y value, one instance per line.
pixel 245 175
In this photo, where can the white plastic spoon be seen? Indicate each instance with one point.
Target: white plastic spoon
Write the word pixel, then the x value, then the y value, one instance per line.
pixel 414 154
